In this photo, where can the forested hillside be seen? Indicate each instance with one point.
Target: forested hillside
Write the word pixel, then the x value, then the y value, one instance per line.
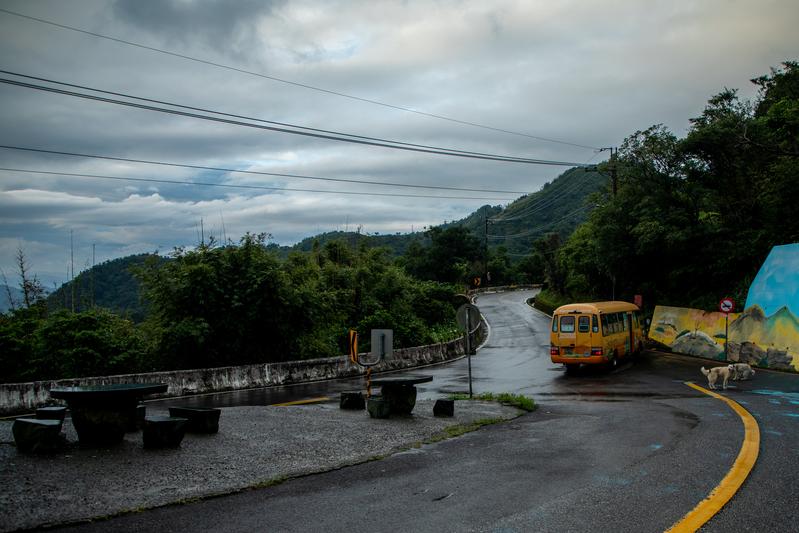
pixel 694 217
pixel 558 207
pixel 110 285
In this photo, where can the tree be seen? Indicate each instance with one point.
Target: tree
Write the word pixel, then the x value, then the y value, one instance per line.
pixel 453 255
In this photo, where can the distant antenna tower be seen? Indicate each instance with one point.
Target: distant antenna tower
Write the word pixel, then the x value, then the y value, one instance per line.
pixel 92 277
pixel 72 270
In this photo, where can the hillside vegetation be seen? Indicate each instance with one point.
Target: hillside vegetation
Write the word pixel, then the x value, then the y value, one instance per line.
pixel 694 218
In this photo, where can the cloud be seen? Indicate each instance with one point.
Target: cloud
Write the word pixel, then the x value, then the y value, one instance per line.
pixel 584 73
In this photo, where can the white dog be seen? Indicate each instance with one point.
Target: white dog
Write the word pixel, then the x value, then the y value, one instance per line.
pixel 742 371
pixel 717 372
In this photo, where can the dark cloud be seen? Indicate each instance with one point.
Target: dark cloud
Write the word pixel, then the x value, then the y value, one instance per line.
pixel 219 24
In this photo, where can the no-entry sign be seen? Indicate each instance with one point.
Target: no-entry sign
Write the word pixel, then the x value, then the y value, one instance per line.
pixel 726 305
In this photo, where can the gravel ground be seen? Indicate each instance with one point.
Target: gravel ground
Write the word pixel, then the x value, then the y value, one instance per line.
pixel 254 445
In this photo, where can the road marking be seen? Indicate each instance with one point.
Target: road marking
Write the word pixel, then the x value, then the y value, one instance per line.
pixel 302 402
pixel 725 490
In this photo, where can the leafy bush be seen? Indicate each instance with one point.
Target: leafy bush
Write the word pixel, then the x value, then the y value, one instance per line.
pixel 35 346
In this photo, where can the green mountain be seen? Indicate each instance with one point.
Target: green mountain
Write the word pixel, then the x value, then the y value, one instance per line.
pixel 110 285
pixel 558 207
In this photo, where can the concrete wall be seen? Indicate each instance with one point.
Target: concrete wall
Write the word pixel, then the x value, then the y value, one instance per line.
pixel 18 398
pixel 750 337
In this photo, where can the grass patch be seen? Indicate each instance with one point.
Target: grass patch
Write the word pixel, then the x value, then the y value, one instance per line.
pixel 505 398
pixel 548 301
pixel 461 429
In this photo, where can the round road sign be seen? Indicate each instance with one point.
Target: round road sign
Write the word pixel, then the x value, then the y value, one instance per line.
pixel 468 317
pixel 726 305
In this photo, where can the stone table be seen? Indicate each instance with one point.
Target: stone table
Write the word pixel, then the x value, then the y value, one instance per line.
pixel 400 392
pixel 101 413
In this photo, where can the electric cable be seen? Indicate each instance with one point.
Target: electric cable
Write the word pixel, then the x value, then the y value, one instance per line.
pixel 539 204
pixel 337 137
pixel 256 172
pixel 535 229
pixel 289 82
pixel 234 186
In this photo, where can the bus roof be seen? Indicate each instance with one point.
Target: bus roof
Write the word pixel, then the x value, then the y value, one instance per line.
pixel 595 307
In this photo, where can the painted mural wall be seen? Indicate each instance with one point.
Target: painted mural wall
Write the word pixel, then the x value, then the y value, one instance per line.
pixel 766 334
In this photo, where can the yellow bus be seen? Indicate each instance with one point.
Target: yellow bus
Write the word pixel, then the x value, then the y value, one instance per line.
pixel 595 333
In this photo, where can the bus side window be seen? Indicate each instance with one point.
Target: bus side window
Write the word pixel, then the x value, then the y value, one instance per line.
pixel 555 325
pixel 567 324
pixel 605 328
pixel 626 317
pixel 594 324
pixel 611 323
pixel 583 324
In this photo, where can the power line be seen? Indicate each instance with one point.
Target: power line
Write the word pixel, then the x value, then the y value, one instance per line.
pixel 235 116
pixel 233 186
pixel 535 229
pixel 539 204
pixel 289 82
pixel 256 172
pixel 344 137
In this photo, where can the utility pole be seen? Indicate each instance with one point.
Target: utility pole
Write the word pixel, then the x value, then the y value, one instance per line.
pixel 92 278
pixel 485 244
pixel 614 185
pixel 612 165
pixel 72 269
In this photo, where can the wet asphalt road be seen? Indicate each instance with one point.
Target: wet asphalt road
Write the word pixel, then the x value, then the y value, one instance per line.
pixel 632 450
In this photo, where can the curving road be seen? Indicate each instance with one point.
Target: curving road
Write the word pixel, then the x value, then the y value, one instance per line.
pixel 632 450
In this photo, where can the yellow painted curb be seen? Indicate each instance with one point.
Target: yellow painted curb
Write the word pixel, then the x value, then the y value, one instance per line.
pixel 725 490
pixel 302 402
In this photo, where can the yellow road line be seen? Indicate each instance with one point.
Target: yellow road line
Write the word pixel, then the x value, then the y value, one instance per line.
pixel 302 402
pixel 725 490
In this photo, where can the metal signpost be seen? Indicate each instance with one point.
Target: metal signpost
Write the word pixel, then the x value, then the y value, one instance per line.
pixel 382 348
pixel 726 306
pixel 468 318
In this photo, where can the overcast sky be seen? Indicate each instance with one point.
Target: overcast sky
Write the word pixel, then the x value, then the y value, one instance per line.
pixel 586 74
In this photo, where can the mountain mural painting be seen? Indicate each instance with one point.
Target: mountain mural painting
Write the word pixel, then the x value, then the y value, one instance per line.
pixel 690 331
pixel 766 334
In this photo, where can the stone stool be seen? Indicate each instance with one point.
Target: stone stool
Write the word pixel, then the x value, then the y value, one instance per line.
pixel 201 419
pixel 352 400
pixel 51 413
pixel 444 407
pixel 33 435
pixel 163 431
pixel 378 407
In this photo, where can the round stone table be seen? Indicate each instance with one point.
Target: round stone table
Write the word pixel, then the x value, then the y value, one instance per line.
pixel 101 413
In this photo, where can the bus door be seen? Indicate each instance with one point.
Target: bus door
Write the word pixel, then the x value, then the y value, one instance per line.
pixel 575 334
pixel 583 341
pixel 631 347
pixel 567 334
